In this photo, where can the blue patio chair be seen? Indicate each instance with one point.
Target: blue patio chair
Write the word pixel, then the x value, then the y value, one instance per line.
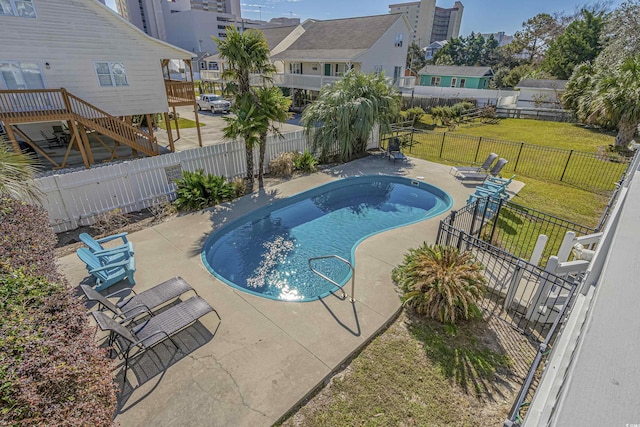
pixel 95 245
pixel 107 274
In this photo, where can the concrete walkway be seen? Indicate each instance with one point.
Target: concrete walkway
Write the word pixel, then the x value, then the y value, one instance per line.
pixel 265 356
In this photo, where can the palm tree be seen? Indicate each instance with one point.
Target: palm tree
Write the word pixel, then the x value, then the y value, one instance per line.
pixel 608 97
pixel 249 123
pixel 16 173
pixel 246 52
pixel 347 112
pixel 274 106
pixel 440 282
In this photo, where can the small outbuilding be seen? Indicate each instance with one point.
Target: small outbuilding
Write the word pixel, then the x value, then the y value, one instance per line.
pixel 456 76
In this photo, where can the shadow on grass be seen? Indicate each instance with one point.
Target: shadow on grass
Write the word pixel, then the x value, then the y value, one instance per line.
pixel 466 357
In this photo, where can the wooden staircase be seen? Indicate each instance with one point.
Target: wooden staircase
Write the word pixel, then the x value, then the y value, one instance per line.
pixel 26 106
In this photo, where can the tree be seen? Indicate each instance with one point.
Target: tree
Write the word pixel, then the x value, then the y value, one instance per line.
pixel 16 173
pixel 347 112
pixel 607 96
pixel 471 50
pixel 274 106
pixel 620 35
pixel 536 35
pixel 579 43
pixel 415 58
pixel 246 52
pixel 249 123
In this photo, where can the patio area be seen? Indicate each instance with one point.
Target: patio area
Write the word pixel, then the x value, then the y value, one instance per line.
pixel 265 356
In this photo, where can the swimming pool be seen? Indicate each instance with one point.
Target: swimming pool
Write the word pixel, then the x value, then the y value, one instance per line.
pixel 266 252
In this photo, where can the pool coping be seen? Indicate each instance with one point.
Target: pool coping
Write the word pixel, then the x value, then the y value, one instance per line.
pixel 267 357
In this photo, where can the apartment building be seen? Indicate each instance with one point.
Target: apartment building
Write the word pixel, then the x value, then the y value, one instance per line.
pixel 429 22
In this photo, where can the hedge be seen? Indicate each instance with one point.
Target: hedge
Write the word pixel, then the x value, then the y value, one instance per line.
pixel 51 371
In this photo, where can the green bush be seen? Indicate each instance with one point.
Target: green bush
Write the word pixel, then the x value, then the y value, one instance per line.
pixel 440 282
pixel 198 191
pixel 305 162
pixel 51 371
pixel 413 114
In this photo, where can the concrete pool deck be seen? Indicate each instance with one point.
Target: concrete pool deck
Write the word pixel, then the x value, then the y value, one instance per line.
pixel 265 356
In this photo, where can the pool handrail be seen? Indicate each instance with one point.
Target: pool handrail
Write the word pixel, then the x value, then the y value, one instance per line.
pixel 353 275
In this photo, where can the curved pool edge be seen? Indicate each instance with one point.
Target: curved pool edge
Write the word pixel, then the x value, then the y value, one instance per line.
pixel 314 191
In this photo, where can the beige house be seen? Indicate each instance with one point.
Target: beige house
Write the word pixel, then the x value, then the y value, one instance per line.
pixel 80 66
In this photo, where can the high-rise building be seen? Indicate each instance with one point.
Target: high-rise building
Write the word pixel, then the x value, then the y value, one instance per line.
pixel 430 23
pixel 189 24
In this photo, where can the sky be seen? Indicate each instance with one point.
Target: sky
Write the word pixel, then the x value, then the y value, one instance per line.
pixel 480 16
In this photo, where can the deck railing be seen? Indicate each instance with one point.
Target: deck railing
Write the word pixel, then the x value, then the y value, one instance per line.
pixel 180 93
pixel 31 105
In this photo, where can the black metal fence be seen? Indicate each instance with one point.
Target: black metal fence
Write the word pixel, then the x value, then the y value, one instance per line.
pixel 512 227
pixel 522 294
pixel 598 172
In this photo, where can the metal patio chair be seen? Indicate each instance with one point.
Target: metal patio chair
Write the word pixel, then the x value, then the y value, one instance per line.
pixel 475 167
pixel 154 330
pixel 143 303
pixel 481 176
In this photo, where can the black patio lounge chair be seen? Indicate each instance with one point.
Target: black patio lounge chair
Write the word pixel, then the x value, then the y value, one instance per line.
pixel 394 151
pixel 154 330
pixel 475 167
pixel 143 303
pixel 481 176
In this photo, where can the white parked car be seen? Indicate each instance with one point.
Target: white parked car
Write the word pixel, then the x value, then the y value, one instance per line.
pixel 215 103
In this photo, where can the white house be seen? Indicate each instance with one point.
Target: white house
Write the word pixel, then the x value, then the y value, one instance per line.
pixel 319 52
pixel 540 93
pixel 109 69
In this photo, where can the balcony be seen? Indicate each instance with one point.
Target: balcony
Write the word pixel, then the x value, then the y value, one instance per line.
pixel 211 76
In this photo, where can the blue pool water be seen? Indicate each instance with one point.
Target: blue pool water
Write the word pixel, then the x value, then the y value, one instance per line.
pixel 266 252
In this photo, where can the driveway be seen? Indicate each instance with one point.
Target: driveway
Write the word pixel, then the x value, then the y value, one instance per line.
pixel 211 133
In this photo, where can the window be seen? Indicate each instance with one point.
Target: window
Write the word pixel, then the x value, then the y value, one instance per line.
pixel 399 38
pixel 397 72
pixel 21 75
pixel 378 69
pixel 203 65
pixel 22 8
pixel 463 82
pixel 454 80
pixel 295 68
pixel 111 73
pixel 341 69
pixel 435 81
pixel 213 66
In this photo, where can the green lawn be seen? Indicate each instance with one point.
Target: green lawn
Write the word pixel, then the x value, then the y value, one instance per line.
pixel 416 374
pixel 182 122
pixel 548 134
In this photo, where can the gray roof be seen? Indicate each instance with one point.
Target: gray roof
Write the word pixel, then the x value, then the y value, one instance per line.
pixel 455 70
pixel 275 35
pixel 542 84
pixel 343 39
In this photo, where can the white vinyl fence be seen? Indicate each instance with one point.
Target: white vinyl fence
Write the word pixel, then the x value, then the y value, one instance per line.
pixel 74 199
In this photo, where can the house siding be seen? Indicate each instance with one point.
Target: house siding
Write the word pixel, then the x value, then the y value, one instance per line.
pixel 71 35
pixel 384 53
pixel 445 81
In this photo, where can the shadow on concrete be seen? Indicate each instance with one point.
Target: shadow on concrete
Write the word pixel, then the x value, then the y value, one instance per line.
pixel 148 365
pixel 355 331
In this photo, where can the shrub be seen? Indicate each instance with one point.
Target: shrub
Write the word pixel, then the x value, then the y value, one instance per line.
pixel 440 282
pixel 414 114
pixel 51 371
pixel 109 222
pixel 239 186
pixel 198 191
pixel 283 165
pixel 305 162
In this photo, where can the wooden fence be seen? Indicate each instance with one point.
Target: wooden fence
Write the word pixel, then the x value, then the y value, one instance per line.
pixel 74 199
